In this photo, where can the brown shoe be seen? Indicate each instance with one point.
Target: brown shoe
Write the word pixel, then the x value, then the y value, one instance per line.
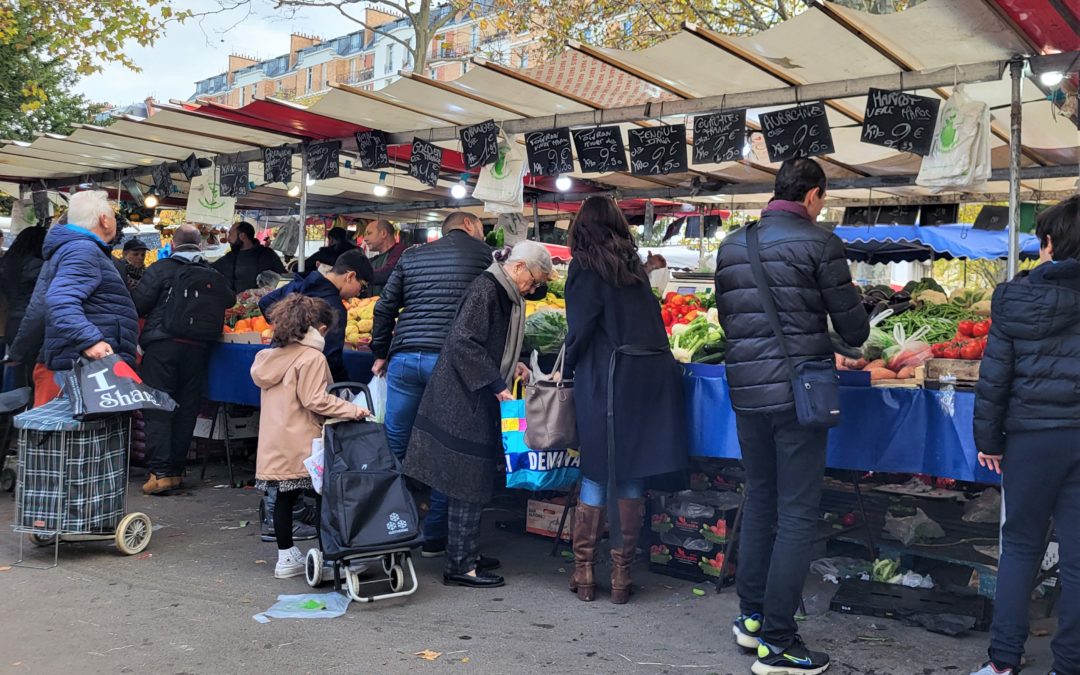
pixel 156 485
pixel 631 515
pixel 585 534
pixel 175 482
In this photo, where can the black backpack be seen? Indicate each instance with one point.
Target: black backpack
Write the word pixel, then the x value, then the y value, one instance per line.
pixel 195 307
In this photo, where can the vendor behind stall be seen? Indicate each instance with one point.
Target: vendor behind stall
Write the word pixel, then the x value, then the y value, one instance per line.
pixel 337 242
pixel 382 238
pixel 247 259
pixel 132 262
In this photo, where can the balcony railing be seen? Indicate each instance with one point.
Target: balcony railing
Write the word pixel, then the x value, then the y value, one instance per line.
pixel 359 76
pixel 451 52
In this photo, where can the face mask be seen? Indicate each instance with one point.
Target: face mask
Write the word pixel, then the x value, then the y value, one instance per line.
pixel 539 294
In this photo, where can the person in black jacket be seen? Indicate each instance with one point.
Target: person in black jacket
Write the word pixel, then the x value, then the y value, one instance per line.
pixel 412 320
pixel 132 262
pixel 784 461
pixel 337 242
pixel 247 259
pixel 350 275
pixel 1027 428
pixel 171 363
pixel 19 272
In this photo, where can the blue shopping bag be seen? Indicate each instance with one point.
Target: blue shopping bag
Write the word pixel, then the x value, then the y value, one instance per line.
pixel 535 470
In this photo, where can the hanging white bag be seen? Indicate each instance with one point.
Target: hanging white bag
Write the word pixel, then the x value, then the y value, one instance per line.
pixel 959 156
pixel 500 185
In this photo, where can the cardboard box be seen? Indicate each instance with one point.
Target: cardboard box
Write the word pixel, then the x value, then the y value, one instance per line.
pixel 681 563
pixel 241 426
pixel 243 338
pixel 543 518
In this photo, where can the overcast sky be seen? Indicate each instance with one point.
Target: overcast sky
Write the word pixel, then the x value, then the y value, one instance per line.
pixel 197 50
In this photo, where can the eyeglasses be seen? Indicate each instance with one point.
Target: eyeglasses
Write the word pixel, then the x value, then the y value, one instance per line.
pixel 535 284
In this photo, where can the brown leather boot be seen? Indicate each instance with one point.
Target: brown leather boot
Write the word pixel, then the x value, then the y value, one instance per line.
pixel 586 534
pixel 631 515
pixel 156 485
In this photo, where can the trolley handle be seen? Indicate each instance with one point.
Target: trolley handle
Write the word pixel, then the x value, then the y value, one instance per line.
pixel 350 390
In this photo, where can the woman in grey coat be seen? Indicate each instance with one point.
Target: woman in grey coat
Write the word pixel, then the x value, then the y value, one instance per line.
pixel 456 441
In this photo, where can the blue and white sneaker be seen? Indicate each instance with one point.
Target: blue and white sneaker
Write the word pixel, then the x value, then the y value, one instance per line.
pixel 794 660
pixel 990 669
pixel 747 630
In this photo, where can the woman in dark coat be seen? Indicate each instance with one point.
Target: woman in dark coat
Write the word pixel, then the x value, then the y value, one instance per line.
pixel 610 305
pixel 19 272
pixel 457 438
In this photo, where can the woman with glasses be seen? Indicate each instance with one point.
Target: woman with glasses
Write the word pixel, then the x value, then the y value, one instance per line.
pixel 456 442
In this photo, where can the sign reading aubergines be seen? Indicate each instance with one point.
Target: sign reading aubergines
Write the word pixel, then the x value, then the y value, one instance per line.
pixel 371 145
pixel 233 178
pixel 322 159
pixel 600 149
pixel 655 151
pixel 802 131
pixel 480 144
pixel 277 164
pixel 425 162
pixel 900 121
pixel 719 137
pixel 549 152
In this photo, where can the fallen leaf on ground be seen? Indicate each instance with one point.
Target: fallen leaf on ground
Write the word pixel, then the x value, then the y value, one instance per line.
pixel 428 655
pixel 5 568
pixel 260 562
pixel 465 660
pixel 699 592
pixel 144 556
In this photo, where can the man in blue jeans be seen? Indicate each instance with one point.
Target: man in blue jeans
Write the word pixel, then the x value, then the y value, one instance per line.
pixel 412 320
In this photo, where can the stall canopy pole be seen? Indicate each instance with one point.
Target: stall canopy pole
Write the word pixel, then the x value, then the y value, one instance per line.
pixel 1016 73
pixel 301 247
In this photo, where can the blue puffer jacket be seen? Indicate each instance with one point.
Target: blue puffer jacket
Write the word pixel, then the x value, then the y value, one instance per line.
pixel 79 300
pixel 315 285
pixel 1029 379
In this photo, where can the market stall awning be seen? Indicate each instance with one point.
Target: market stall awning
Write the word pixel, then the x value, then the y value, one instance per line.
pixel 907 243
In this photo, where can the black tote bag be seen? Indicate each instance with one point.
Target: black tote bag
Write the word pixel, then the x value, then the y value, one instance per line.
pixel 109 386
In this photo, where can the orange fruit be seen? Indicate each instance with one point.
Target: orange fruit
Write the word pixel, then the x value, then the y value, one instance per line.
pixel 243 326
pixel 259 324
pixel 227 329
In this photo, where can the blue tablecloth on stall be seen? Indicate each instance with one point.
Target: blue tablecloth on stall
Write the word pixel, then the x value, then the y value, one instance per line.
pixel 883 429
pixel 229 375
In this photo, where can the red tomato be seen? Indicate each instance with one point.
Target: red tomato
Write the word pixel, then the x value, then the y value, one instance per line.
pixel 966 328
pixel 669 296
pixel 980 329
pixel 971 351
pixel 666 314
pixel 938 350
pixel 951 352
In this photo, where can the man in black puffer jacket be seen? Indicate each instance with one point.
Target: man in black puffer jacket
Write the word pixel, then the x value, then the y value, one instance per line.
pixel 785 462
pixel 1027 427
pixel 412 320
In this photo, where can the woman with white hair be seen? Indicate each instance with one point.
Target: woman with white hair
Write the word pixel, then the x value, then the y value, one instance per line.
pixel 456 441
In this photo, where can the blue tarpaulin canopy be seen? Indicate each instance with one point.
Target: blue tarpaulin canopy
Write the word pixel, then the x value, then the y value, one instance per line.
pixel 906 243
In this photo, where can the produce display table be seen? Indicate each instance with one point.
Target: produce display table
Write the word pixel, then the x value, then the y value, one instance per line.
pixel 888 430
pixel 229 378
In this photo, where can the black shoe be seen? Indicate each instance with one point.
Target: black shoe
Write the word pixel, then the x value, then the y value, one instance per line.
pixel 481 580
pixel 433 548
pixel 486 564
pixel 795 660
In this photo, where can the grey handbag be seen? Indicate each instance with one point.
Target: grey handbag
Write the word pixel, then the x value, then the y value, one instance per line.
pixel 550 417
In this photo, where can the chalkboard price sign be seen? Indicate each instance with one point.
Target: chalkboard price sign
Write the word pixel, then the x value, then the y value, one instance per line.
pixel 549 152
pixel 719 137
pixel 162 181
pixel 277 164
pixel 372 148
pixel 233 178
pixel 190 167
pixel 802 131
pixel 658 150
pixel 900 121
pixel 600 149
pixel 480 144
pixel 425 162
pixel 322 159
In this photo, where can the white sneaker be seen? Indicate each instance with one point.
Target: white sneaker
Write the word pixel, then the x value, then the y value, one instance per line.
pixel 289 565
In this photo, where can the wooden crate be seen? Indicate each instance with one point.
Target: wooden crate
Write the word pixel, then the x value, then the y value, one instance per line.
pixel 959 369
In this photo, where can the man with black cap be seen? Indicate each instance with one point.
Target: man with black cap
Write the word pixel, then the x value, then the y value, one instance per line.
pixel 132 262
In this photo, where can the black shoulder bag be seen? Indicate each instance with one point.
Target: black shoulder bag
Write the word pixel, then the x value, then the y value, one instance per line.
pixel 814 384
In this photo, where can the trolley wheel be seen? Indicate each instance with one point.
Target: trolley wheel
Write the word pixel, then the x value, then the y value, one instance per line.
pixel 133 533
pixel 41 540
pixel 313 567
pixel 7 480
pixel 388 562
pixel 397 578
pixel 352 581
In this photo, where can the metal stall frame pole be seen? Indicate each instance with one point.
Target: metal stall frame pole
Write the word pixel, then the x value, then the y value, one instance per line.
pixel 301 247
pixel 1016 74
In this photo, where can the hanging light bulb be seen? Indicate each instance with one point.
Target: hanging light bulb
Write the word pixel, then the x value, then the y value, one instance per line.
pixel 1051 78
pixel 381 189
pixel 460 189
pixel 151 201
pixel 294 190
pixel 310 180
pixel 563 183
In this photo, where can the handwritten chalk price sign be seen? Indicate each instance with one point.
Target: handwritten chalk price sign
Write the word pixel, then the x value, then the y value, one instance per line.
pixel 549 152
pixel 162 180
pixel 600 150
pixel 322 159
pixel 233 178
pixel 900 121
pixel 719 137
pixel 802 131
pixel 425 162
pixel 371 146
pixel 480 144
pixel 277 164
pixel 658 150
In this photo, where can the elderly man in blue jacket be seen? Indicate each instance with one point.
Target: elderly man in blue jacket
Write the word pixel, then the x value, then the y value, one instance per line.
pixel 80 306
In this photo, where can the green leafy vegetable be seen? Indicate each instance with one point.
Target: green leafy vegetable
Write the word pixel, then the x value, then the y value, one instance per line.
pixel 545 332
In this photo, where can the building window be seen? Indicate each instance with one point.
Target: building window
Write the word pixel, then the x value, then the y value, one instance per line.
pixel 627 27
pixel 254 91
pixel 308 80
pixel 241 96
pixel 524 61
pixel 389 59
pixel 475 39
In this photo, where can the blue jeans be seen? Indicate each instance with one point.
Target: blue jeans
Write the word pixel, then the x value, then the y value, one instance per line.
pixel 595 494
pixel 406 377
pixel 1040 480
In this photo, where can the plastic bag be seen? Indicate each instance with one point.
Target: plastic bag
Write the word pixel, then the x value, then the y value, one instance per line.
pixel 917 528
pixel 306 606
pixel 960 154
pixel 986 508
pixel 500 185
pixel 378 387
pixel 314 464
pixel 910 351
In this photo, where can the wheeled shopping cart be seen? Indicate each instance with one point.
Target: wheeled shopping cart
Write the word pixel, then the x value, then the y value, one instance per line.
pixel 72 481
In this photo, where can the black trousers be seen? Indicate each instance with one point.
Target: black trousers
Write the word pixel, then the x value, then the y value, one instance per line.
pixel 179 370
pixel 785 467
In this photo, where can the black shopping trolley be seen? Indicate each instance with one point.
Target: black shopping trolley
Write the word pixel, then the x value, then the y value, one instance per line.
pixel 72 481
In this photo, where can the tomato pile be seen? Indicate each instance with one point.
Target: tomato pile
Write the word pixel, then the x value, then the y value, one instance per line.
pixel 681 309
pixel 969 343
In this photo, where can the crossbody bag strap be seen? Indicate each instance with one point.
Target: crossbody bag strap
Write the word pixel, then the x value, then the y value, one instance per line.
pixel 761 279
